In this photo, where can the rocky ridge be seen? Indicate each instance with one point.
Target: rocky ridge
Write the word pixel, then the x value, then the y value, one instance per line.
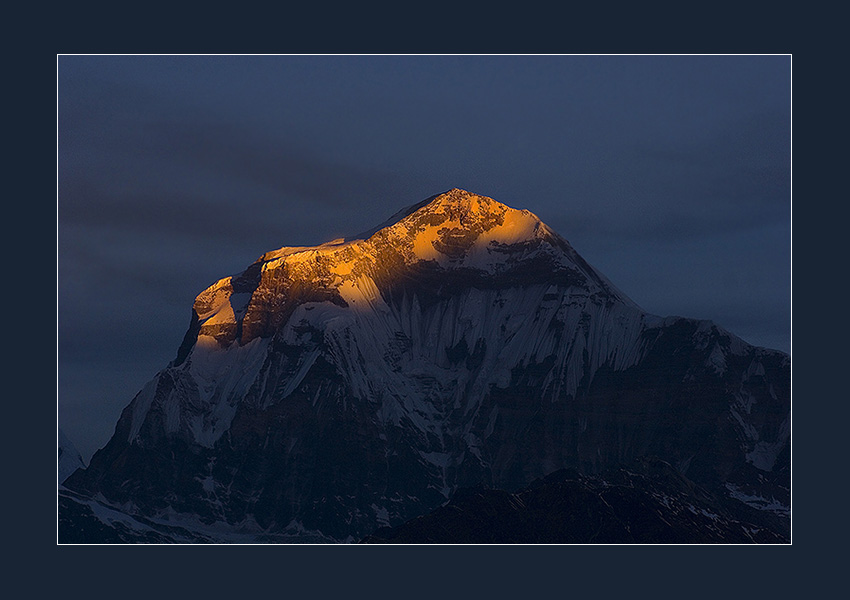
pixel 358 384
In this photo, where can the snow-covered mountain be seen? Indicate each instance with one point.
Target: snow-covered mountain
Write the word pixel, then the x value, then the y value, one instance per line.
pixel 331 390
pixel 69 459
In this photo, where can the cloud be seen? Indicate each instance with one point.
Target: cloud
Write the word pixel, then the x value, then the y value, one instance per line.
pixel 147 162
pixel 736 179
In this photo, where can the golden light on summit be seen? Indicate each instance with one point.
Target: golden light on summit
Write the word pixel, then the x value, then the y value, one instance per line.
pixel 455 229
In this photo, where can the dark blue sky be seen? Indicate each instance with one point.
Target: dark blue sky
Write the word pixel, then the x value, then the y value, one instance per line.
pixel 671 174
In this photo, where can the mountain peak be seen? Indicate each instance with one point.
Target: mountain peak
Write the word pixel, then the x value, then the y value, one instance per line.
pixel 459 203
pixel 454 202
pixel 462 199
pixel 444 227
pixel 458 224
pixel 456 238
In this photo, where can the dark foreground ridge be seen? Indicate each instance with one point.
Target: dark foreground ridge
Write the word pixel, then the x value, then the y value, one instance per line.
pixel 648 503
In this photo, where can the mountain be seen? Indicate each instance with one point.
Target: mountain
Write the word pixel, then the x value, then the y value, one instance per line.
pixel 327 391
pixel 648 502
pixel 69 459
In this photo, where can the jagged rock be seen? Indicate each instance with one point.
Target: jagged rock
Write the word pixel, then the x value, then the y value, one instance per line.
pixel 339 388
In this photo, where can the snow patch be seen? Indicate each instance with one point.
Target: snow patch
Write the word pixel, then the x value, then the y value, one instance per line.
pixel 759 502
pixel 763 456
pixel 518 226
pixel 717 360
pixel 382 515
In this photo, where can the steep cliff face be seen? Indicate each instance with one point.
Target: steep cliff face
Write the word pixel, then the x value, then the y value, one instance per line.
pixel 338 388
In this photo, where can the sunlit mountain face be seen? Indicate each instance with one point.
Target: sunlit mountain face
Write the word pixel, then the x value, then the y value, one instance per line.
pixel 328 391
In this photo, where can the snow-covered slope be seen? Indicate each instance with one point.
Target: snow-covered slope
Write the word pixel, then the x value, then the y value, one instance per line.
pixel 379 305
pixel 355 384
pixel 69 458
